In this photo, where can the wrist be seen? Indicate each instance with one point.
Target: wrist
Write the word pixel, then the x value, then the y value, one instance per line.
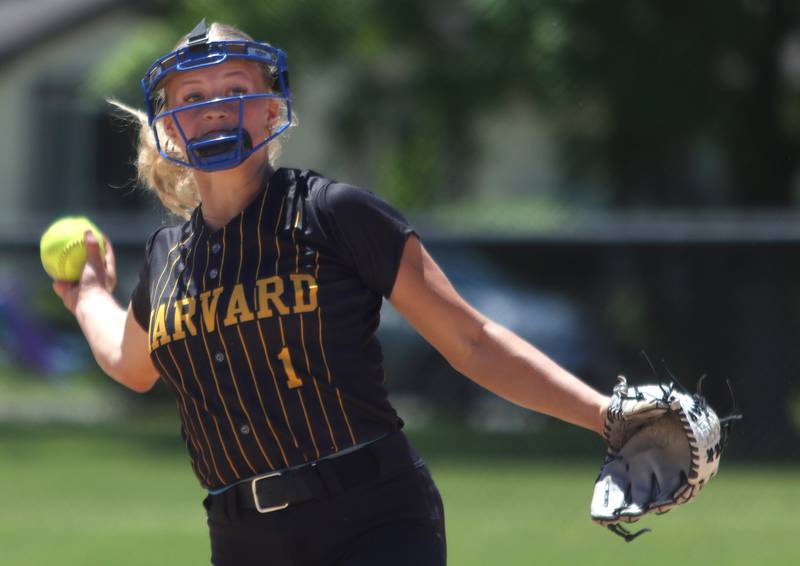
pixel 87 296
pixel 602 414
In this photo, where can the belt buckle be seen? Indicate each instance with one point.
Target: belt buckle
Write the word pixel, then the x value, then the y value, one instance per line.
pixel 259 508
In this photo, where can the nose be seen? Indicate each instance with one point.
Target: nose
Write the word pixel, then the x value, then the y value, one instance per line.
pixel 216 112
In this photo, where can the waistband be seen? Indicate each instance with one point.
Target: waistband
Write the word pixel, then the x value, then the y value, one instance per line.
pixel 215 491
pixel 275 491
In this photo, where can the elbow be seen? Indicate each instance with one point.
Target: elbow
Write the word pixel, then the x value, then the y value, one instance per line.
pixel 134 380
pixel 139 386
pixel 464 356
pixel 138 381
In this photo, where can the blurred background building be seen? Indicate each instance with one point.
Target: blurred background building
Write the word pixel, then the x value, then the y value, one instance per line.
pixel 602 178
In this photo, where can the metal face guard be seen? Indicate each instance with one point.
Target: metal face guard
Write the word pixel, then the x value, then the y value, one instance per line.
pixel 201 53
pixel 224 149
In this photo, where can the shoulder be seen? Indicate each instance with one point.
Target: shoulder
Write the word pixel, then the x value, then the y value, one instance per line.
pixel 164 238
pixel 327 194
pixel 349 202
pixel 328 201
pixel 341 208
pixel 301 181
pixel 341 196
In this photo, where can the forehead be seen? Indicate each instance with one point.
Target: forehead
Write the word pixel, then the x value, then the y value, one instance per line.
pixel 233 68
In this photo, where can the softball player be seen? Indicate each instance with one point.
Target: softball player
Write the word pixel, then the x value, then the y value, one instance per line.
pixel 260 312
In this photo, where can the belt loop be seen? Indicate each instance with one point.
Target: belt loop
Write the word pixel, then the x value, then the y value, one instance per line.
pixel 231 500
pixel 377 450
pixel 388 453
pixel 330 479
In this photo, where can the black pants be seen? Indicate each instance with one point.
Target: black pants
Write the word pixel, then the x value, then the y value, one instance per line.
pixel 390 521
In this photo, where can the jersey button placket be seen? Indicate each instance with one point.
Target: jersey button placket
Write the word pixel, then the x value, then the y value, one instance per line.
pixel 215 249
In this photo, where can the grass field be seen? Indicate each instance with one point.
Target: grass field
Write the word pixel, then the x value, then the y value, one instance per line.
pixel 118 495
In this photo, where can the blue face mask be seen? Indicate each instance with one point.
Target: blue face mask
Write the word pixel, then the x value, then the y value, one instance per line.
pixel 222 149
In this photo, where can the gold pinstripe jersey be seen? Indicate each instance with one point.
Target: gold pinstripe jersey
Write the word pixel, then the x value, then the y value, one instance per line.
pixel 265 329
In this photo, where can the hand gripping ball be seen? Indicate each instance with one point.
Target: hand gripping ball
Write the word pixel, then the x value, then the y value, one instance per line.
pixel 63 250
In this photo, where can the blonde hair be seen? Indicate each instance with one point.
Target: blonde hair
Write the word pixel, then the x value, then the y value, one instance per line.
pixel 174 184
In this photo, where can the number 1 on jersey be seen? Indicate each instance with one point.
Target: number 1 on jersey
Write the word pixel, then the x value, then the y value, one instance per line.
pixel 293 382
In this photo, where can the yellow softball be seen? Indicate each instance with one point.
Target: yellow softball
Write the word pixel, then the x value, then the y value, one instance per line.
pixel 63 250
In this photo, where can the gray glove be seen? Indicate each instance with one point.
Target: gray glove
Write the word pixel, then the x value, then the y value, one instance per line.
pixel 663 447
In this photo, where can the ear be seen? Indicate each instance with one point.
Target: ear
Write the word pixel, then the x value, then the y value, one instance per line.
pixel 273 112
pixel 168 123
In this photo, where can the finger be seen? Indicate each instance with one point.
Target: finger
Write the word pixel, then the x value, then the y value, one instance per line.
pixel 111 265
pixel 93 251
pixel 640 489
pixel 684 494
pixel 640 496
pixel 110 259
pixel 611 492
pixel 60 287
pixel 66 292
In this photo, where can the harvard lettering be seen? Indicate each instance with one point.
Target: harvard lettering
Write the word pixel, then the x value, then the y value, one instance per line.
pixel 293 294
pixel 265 329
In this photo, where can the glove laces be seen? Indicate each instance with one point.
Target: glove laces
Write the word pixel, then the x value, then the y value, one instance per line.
pixel 619 530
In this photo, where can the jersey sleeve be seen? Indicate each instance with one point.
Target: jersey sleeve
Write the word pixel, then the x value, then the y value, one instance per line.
pixel 369 232
pixel 140 296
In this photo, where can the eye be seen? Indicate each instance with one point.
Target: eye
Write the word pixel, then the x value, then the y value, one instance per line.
pixel 192 97
pixel 237 91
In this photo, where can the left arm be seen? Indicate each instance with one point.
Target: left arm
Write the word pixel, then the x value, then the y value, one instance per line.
pixel 486 352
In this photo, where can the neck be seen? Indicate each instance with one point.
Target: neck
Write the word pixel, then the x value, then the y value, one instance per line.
pixel 224 194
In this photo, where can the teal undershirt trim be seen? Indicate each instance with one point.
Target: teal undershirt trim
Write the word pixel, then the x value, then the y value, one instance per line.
pixel 329 457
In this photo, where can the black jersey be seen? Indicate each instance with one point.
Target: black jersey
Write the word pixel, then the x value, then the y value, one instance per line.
pixel 265 328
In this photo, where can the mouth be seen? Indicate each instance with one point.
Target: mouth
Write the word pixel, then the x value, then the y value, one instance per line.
pixel 220 142
pixel 212 134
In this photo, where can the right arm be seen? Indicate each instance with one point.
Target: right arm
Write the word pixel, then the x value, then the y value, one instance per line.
pixel 117 341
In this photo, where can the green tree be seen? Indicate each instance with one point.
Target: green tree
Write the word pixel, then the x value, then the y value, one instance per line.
pixel 677 77
pixel 657 102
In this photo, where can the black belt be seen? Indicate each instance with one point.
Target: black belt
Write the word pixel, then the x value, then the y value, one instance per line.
pixel 275 491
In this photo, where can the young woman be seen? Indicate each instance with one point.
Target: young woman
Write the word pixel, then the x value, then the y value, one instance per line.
pixel 260 313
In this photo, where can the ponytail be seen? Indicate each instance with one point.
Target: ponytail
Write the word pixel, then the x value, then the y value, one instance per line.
pixel 173 184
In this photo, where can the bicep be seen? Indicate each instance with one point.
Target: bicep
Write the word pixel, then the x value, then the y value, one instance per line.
pixel 136 367
pixel 425 297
